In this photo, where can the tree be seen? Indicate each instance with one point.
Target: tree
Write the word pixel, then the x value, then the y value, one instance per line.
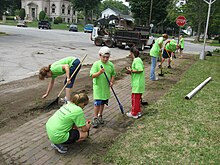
pixel 86 6
pixel 113 4
pixel 141 12
pixel 42 15
pixel 22 13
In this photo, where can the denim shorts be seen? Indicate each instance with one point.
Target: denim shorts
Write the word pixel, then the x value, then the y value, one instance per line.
pixel 72 69
pixel 100 102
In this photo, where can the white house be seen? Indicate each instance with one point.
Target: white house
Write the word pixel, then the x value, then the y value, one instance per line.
pixel 107 12
pixel 52 8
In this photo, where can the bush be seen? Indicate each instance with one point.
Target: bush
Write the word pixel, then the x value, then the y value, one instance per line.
pixel 57 20
pixel 22 14
pixel 42 15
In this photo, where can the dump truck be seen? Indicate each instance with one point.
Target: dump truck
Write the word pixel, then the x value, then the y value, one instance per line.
pixel 115 32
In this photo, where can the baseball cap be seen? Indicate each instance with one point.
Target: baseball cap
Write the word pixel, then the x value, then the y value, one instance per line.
pixel 105 51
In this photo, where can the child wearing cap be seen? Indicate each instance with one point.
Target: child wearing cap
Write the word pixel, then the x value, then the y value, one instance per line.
pixel 101 87
pixel 155 53
pixel 137 83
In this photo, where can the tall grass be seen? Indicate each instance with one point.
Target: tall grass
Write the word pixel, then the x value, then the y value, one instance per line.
pixel 176 130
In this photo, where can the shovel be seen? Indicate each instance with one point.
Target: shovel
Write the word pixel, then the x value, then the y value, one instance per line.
pixel 120 106
pixel 161 69
pixel 55 102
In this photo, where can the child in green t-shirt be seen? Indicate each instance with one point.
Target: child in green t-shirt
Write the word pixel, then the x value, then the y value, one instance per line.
pixel 101 87
pixel 66 66
pixel 169 48
pixel 68 124
pixel 181 46
pixel 137 83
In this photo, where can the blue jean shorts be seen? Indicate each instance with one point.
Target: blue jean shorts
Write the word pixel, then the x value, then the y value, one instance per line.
pixel 100 102
pixel 72 69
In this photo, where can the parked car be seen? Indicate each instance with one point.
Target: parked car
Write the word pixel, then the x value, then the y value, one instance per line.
pixel 73 28
pixel 88 28
pixel 22 23
pixel 44 25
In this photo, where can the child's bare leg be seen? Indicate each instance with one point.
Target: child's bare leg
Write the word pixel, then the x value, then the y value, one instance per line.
pixel 101 109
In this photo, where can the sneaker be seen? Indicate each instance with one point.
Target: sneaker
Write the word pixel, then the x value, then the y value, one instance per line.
pixel 64 100
pixel 139 114
pixel 130 115
pixel 60 148
pixel 95 122
pixel 169 67
pixel 101 121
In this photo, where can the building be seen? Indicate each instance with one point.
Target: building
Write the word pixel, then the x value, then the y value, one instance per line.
pixel 107 12
pixel 52 8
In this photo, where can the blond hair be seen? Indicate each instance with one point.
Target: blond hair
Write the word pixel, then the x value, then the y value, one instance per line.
pixel 43 72
pixel 80 98
pixel 165 36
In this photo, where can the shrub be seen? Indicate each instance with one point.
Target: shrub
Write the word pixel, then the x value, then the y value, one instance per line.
pixel 42 15
pixel 22 13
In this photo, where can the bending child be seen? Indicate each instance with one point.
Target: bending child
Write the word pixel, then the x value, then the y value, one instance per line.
pixel 68 124
pixel 64 66
pixel 101 87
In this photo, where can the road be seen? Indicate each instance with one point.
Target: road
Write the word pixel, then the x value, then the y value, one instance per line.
pixel 25 50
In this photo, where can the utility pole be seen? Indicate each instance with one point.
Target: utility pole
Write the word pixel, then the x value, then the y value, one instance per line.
pixel 202 54
pixel 151 6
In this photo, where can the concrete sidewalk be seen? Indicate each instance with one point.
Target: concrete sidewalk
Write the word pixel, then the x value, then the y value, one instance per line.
pixel 29 145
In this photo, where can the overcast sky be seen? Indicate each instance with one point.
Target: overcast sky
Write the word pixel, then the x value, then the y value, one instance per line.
pixel 126 3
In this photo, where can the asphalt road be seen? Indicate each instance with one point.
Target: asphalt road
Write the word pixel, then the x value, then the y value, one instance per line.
pixel 25 50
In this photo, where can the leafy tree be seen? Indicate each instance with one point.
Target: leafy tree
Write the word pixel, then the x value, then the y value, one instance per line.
pixel 86 6
pixel 3 7
pixel 42 15
pixel 113 4
pixel 141 11
pixel 22 13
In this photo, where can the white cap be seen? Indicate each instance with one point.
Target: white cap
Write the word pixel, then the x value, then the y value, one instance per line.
pixel 104 51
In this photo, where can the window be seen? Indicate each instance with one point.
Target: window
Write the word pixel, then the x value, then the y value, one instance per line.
pixel 63 9
pixel 68 10
pixel 53 8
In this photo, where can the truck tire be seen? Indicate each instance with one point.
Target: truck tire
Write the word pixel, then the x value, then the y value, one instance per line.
pixel 98 41
pixel 141 46
pixel 109 43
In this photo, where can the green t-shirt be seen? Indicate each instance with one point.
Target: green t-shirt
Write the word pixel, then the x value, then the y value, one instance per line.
pixel 155 50
pixel 171 46
pixel 62 121
pixel 138 79
pixel 101 90
pixel 182 43
pixel 56 67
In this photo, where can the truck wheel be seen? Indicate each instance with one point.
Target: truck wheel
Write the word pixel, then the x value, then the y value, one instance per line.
pixel 121 46
pixel 141 46
pixel 98 41
pixel 109 43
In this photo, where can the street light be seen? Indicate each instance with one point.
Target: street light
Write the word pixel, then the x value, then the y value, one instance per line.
pixel 202 54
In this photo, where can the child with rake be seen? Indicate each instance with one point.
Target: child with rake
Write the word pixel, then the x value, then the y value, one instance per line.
pixel 101 87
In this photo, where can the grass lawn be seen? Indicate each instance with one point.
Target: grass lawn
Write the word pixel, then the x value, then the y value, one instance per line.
pixel 61 26
pixel 176 130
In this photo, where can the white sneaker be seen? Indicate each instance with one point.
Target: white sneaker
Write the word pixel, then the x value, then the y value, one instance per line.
pixel 139 114
pixel 156 79
pixel 130 115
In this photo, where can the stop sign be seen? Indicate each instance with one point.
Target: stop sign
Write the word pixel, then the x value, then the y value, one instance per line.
pixel 180 20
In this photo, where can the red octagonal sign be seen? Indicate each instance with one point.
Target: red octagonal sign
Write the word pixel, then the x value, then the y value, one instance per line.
pixel 180 20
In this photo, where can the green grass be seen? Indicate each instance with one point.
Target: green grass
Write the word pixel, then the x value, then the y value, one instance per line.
pixel 176 130
pixel 60 26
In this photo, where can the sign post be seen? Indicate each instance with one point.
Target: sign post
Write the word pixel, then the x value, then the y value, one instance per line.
pixel 180 21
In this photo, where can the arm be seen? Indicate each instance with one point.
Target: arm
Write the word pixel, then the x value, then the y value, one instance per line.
pixel 86 127
pixel 67 70
pixel 102 70
pixel 111 81
pixel 50 86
